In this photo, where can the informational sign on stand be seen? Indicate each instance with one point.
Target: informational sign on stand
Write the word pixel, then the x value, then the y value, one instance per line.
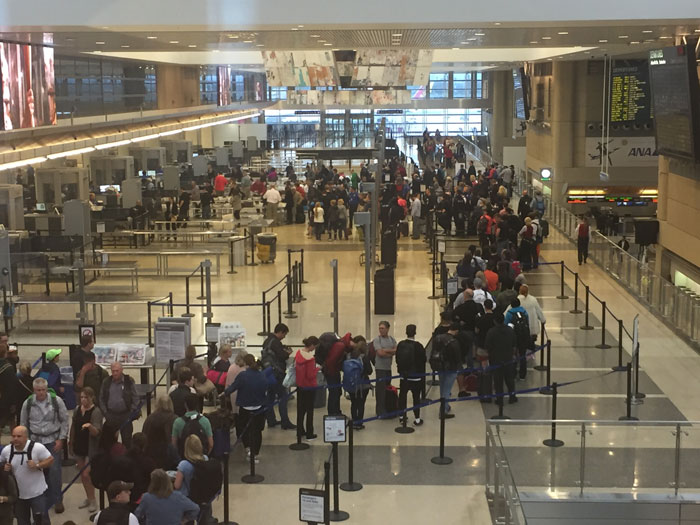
pixel 170 341
pixel 211 332
pixel 334 429
pixel 128 354
pixel 232 334
pixel 452 286
pixel 87 329
pixel 312 506
pixel 442 248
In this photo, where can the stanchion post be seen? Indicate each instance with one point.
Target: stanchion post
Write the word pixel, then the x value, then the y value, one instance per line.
pixel 225 492
pixel 298 445
pixel 279 306
pixel 638 396
pixel 289 261
pixel 67 461
pixel 442 459
pixel 547 390
pixel 561 291
pixel 327 490
pixel 575 309
pixel 230 244
pixel 553 441
pixel 295 284
pixel 336 514
pixel 499 403
pixel 150 334
pixel 170 304
pixel 541 367
pixel 252 477
pixel 290 313
pixel 201 282
pixel 628 401
pixel 302 280
pixel 265 329
pixel 404 428
pixel 351 485
pixel 252 249
pixel 586 324
pixel 187 298
pixel 620 336
pixel 603 345
pixel 299 282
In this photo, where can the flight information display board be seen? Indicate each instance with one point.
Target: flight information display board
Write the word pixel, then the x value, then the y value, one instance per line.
pixel 674 82
pixel 630 93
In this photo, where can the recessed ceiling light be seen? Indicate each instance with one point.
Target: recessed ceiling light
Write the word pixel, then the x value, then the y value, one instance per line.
pixel 192 45
pixel 563 33
pixel 549 59
pixel 321 40
pixel 260 45
pixel 602 41
pixel 647 31
pixel 697 30
pixel 464 43
pixel 471 39
pixel 497 23
pixel 126 46
pixel 622 36
pixel 455 48
pixel 315 36
pixel 100 43
pixel 105 27
pixel 70 39
pixel 98 51
pixel 546 38
pixel 397 34
pixel 479 34
pixel 327 44
pixel 151 37
pixel 174 41
pixel 247 41
pixel 635 42
pixel 665 37
pixel 300 25
pixel 295 29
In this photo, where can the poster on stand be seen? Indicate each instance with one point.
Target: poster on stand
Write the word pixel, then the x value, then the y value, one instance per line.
pixel 170 341
pixel 232 334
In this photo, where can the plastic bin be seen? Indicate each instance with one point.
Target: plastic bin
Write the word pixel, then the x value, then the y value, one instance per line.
pixel 266 247
pixel 239 245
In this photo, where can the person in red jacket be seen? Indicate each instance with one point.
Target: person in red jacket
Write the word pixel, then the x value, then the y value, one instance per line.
pixel 306 371
pixel 331 370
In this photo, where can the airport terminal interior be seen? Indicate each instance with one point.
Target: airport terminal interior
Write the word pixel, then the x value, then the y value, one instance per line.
pixel 224 179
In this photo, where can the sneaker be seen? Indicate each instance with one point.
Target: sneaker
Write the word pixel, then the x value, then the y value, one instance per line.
pixel 417 422
pixel 92 507
pixel 84 504
pixel 311 437
pixel 288 426
pixel 59 508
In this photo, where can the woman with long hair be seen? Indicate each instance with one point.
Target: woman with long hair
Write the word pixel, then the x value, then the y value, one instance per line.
pixel 83 441
pixel 158 428
pixel 162 505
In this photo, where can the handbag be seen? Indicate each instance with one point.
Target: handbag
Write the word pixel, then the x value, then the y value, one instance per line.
pixel 216 377
pixel 290 378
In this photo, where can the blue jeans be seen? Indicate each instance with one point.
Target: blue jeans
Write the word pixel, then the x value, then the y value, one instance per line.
pixel 53 477
pixel 274 392
pixel 26 509
pixel 447 379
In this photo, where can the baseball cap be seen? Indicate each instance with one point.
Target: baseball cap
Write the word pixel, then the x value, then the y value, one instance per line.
pixel 51 354
pixel 117 487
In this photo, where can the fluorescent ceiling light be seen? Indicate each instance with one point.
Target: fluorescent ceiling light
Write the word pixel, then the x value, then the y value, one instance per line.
pixel 70 153
pixel 145 137
pixel 174 42
pixel 113 144
pixel 546 38
pixel 20 163
pixel 647 31
pixel 100 43
pixel 563 33
pixel 479 34
pixel 192 45
pixel 171 132
pixel 151 37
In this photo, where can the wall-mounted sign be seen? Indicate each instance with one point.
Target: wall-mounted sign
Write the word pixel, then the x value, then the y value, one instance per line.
pixel 622 152
pixel 546 174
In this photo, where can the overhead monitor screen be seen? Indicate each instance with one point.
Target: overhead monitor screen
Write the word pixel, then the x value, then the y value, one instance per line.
pixel 27 86
pixel 521 94
pixel 630 92
pixel 674 83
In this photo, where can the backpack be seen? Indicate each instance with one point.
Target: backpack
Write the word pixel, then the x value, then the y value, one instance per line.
pixel 326 341
pixel 206 481
pixel 192 427
pixel 29 452
pixel 269 360
pixel 437 355
pixel 352 375
pixel 482 225
pixel 539 205
pixel 405 358
pixel 522 330
pixel 100 466
pixel 544 226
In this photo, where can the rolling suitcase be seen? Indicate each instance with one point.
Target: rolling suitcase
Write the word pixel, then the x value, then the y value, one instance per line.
pixel 403 228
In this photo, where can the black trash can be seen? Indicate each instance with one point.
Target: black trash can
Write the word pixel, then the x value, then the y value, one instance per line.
pixel 389 246
pixel 384 301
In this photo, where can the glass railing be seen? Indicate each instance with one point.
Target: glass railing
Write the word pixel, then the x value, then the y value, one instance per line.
pixel 678 307
pixel 595 457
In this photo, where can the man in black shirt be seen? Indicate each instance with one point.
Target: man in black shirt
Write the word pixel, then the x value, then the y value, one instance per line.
pixel 275 355
pixel 502 345
pixel 484 323
pixel 184 206
pixel 410 361
pixel 185 382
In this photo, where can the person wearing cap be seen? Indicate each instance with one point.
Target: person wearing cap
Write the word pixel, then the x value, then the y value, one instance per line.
pixel 51 372
pixel 118 512
pixel 46 418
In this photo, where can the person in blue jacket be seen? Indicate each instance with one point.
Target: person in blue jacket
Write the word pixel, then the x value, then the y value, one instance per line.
pixel 51 372
pixel 251 386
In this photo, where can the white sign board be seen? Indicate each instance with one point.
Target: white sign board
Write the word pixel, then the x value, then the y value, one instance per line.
pixel 232 334
pixel 622 152
pixel 170 341
pixel 312 506
pixel 128 354
pixel 334 429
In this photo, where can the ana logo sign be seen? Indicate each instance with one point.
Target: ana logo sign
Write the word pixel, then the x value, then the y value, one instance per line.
pixel 622 152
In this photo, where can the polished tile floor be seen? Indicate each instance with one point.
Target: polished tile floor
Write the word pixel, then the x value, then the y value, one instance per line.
pixel 400 481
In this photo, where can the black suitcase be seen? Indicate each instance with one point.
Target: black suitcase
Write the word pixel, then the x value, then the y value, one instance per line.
pixel 301 215
pixel 403 228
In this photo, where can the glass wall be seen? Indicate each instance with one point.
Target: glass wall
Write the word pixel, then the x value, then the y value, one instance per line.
pixel 208 85
pixel 95 86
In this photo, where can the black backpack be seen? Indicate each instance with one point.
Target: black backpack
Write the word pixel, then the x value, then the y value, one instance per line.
pixel 206 481
pixel 522 330
pixel 192 428
pixel 405 357
pixel 437 355
pixel 28 452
